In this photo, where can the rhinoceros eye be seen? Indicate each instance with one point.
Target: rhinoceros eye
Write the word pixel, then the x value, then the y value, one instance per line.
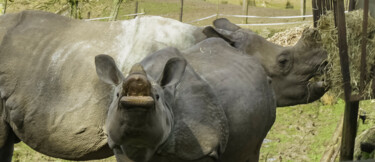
pixel 118 95
pixel 157 97
pixel 283 61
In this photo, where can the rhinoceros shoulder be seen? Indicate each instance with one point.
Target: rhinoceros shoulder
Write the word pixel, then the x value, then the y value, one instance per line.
pixel 200 123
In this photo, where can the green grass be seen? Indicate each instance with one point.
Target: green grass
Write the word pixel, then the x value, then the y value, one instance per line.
pixel 23 153
pixel 301 133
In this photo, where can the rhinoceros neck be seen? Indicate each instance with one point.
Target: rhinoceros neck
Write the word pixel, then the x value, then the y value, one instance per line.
pixel 265 51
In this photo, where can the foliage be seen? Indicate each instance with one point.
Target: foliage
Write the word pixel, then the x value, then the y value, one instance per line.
pixel 289 5
pixel 115 9
pixel 329 39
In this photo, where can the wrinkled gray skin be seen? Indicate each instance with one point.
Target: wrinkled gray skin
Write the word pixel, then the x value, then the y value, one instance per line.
pixel 51 97
pixel 290 68
pixel 50 94
pixel 220 111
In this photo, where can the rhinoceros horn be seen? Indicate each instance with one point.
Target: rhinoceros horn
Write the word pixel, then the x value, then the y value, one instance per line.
pixel 137 88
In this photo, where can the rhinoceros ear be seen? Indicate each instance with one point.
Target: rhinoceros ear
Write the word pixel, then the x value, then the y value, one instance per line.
pixel 209 31
pixel 225 24
pixel 107 70
pixel 173 71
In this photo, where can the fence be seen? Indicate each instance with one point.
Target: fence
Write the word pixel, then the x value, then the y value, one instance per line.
pixel 102 18
pixel 261 17
pixel 238 16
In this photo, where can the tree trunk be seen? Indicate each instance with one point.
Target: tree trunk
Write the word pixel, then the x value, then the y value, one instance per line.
pixel 252 3
pixel 115 10
pixel 3 7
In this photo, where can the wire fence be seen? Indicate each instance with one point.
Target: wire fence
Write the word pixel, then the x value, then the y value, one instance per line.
pixel 261 17
pixel 103 18
pixel 238 16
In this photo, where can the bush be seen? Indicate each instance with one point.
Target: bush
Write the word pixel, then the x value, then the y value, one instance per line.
pixel 289 5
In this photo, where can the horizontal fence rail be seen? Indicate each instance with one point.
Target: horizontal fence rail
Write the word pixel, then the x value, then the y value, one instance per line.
pixel 266 17
pixel 270 24
pixel 262 17
pixel 102 18
pixel 239 16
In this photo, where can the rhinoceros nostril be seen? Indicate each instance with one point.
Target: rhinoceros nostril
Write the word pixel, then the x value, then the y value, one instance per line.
pixel 137 84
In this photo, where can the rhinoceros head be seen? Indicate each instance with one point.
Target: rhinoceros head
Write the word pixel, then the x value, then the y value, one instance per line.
pixel 291 68
pixel 139 118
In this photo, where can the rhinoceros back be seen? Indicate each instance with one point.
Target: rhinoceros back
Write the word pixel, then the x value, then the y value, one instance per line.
pixel 54 101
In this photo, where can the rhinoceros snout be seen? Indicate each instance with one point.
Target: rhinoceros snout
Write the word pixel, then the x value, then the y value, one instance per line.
pixel 136 89
pixel 129 102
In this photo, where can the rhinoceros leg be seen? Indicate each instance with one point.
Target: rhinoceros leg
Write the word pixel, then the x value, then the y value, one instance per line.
pixel 6 150
pixel 120 155
pixel 7 138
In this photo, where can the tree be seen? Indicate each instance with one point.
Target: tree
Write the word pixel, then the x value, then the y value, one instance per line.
pixel 3 6
pixel 115 10
pixel 252 3
pixel 74 11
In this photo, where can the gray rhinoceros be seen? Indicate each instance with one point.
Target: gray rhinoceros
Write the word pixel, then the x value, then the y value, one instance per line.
pixel 207 103
pixel 291 68
pixel 51 97
pixel 52 100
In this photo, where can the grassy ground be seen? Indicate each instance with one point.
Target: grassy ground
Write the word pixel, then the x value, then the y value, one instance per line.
pixel 23 153
pixel 300 133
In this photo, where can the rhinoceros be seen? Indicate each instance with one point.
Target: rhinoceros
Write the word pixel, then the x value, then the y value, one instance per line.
pixel 52 100
pixel 203 104
pixel 291 68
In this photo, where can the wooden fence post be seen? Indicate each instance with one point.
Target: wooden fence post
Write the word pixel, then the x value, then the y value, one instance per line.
pixel 136 8
pixel 351 107
pixel 303 8
pixel 316 12
pixel 351 5
pixel 335 11
pixel 329 5
pixel 363 46
pixel 182 9
pixel 245 9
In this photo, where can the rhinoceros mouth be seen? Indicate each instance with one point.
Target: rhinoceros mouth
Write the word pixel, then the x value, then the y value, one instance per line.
pixel 137 101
